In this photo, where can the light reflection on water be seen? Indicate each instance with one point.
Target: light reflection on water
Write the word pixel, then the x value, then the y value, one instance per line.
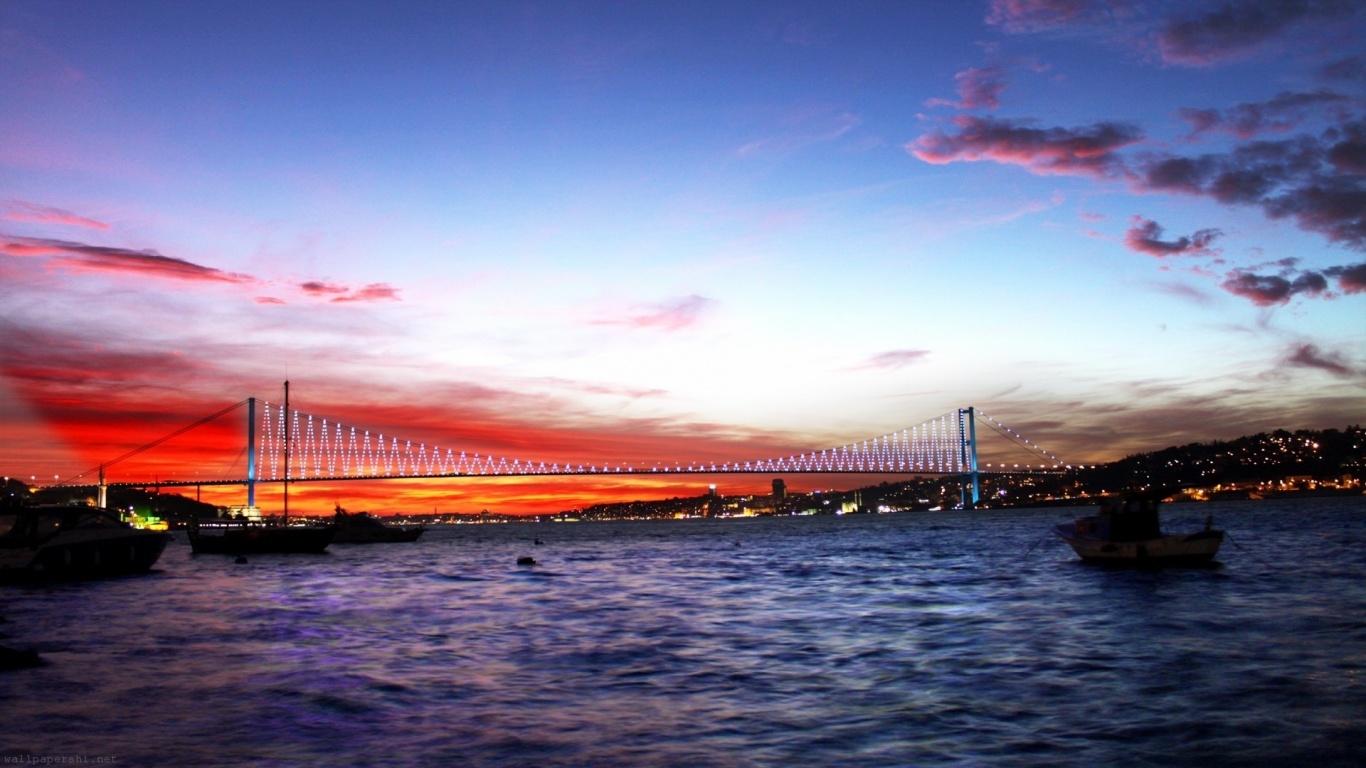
pixel 929 639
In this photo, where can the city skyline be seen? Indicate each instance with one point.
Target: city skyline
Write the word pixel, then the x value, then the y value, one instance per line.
pixel 610 233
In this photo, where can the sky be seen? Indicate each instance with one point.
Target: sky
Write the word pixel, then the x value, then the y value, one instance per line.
pixel 600 232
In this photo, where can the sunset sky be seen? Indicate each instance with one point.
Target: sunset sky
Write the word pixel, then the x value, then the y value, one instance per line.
pixel 638 232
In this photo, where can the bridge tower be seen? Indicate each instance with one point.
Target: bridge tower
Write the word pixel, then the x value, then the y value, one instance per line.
pixel 967 452
pixel 251 452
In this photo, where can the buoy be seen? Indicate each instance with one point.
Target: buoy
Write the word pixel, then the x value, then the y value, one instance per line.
pixel 526 561
pixel 538 541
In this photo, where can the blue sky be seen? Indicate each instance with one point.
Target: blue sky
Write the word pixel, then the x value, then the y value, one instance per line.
pixel 625 231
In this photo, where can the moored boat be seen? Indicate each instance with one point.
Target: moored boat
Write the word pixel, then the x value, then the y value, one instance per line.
pixel 229 536
pixel 1129 530
pixel 365 528
pixel 247 533
pixel 53 542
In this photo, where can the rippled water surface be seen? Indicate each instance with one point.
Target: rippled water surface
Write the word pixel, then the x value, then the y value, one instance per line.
pixel 908 639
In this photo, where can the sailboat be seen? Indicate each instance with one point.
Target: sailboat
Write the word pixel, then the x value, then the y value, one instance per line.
pixel 245 533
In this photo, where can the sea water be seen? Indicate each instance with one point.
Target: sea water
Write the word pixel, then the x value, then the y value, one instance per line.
pixel 949 638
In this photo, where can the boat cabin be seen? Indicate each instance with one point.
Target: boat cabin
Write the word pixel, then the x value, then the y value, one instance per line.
pixel 1129 519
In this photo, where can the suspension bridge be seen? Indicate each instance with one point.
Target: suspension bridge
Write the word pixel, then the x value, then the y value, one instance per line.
pixel 286 446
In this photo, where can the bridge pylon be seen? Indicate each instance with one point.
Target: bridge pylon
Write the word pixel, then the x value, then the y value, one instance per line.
pixel 251 452
pixel 967 448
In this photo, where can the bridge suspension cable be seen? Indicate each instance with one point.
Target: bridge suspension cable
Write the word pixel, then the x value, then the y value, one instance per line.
pixel 1033 448
pixel 322 449
pixel 71 480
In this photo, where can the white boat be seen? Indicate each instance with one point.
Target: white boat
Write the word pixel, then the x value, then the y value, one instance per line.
pixel 1129 531
pixel 53 542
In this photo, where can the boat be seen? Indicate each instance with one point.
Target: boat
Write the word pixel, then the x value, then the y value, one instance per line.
pixel 247 533
pixel 244 536
pixel 1128 530
pixel 50 542
pixel 365 528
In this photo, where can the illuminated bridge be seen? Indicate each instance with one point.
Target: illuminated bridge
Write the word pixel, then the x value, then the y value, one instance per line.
pixel 284 445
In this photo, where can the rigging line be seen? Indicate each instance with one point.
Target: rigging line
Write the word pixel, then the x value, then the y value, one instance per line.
pixel 1241 548
pixel 156 442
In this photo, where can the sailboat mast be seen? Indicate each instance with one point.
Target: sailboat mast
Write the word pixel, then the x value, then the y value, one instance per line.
pixel 287 432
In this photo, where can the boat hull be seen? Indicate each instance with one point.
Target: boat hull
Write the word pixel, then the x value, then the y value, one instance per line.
pixel 259 539
pixel 1188 548
pixel 84 555
pixel 376 536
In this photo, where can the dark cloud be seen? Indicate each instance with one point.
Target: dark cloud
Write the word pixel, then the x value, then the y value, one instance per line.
pixel 1351 69
pixel 82 257
pixel 1270 290
pixel 319 288
pixel 1146 237
pixel 1351 278
pixel 1316 180
pixel 1310 356
pixel 1279 114
pixel 1087 151
pixel 1238 28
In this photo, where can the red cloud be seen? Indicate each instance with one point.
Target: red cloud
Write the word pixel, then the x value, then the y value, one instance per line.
pixel 22 211
pixel 1089 151
pixel 977 88
pixel 342 294
pixel 14 247
pixel 1029 15
pixel 371 292
pixel 1145 237
pixel 81 257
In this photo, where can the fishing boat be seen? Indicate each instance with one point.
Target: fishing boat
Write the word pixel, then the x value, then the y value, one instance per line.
pixel 1128 530
pixel 365 528
pixel 246 532
pixel 54 542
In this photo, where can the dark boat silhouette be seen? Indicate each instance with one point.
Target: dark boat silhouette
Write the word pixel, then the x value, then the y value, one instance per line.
pixel 230 536
pixel 365 528
pixel 53 542
pixel 247 533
